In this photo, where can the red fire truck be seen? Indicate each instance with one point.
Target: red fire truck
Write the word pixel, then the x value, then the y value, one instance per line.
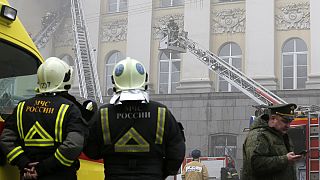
pixel 305 134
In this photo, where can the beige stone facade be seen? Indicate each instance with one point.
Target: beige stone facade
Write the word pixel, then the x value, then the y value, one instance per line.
pixel 260 30
pixel 229 22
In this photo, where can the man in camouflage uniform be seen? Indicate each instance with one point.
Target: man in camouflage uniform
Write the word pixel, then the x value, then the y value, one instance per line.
pixel 267 153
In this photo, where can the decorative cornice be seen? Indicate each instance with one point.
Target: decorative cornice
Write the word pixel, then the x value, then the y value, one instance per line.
pixel 65 36
pixel 229 21
pixel 114 31
pixel 161 23
pixel 293 16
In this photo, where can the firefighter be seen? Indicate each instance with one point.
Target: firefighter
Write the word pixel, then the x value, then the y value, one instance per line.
pixel 195 170
pixel 46 133
pixel 231 170
pixel 136 137
pixel 173 30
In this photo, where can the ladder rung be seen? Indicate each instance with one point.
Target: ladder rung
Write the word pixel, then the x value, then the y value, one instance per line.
pixel 314 148
pixel 314 171
pixel 314 136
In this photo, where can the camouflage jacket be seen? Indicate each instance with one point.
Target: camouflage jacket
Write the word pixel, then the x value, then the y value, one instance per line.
pixel 264 154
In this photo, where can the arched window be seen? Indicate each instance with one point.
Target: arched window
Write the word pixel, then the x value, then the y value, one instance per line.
pixel 230 53
pixel 227 0
pixel 223 145
pixel 70 61
pixel 111 61
pixel 168 3
pixel 294 64
pixel 117 6
pixel 169 72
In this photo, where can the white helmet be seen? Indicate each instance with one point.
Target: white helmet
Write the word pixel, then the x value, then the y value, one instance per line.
pixel 54 75
pixel 129 74
pixel 129 77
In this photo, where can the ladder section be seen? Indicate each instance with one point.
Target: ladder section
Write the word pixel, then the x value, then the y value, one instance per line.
pixel 50 23
pixel 85 61
pixel 231 74
pixel 175 40
pixel 313 146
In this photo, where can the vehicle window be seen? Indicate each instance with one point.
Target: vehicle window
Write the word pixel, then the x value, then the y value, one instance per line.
pixel 15 61
pixel 17 76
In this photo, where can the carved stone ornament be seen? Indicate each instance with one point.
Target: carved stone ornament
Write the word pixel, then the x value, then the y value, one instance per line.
pixel 161 23
pixel 229 21
pixel 114 31
pixel 64 37
pixel 293 16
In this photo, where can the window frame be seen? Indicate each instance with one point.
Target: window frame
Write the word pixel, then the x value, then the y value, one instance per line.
pixel 225 1
pixel 170 61
pixel 172 3
pixel 295 65
pixel 230 58
pixel 213 147
pixel 118 6
pixel 107 77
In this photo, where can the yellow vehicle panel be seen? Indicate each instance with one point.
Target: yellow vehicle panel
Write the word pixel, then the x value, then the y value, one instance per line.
pixel 8 172
pixel 88 170
pixel 16 34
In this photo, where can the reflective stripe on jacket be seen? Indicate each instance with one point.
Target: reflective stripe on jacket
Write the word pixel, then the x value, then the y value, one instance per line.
pixel 136 138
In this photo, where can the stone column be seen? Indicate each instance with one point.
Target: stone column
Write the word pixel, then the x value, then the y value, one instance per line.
pixel 139 31
pixel 195 74
pixel 260 33
pixel 314 75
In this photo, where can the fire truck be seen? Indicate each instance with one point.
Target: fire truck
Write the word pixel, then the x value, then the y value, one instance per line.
pixel 306 123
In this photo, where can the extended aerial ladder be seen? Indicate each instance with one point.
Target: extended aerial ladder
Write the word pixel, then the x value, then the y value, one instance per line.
pixel 245 84
pixel 178 41
pixel 50 24
pixel 85 61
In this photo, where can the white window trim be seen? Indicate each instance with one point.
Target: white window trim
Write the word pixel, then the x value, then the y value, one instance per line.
pixel 225 146
pixel 295 63
pixel 230 62
pixel 106 77
pixel 118 7
pixel 170 62
pixel 171 3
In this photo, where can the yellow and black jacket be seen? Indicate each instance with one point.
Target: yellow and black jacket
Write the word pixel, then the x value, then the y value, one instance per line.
pixel 136 140
pixel 48 129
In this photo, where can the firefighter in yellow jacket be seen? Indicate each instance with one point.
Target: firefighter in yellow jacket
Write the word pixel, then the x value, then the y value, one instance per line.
pixel 46 133
pixel 136 137
pixel 195 170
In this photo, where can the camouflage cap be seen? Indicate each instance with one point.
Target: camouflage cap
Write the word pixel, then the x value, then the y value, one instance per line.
pixel 284 110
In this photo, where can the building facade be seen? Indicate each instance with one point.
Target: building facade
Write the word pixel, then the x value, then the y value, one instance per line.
pixel 275 42
pixel 270 41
